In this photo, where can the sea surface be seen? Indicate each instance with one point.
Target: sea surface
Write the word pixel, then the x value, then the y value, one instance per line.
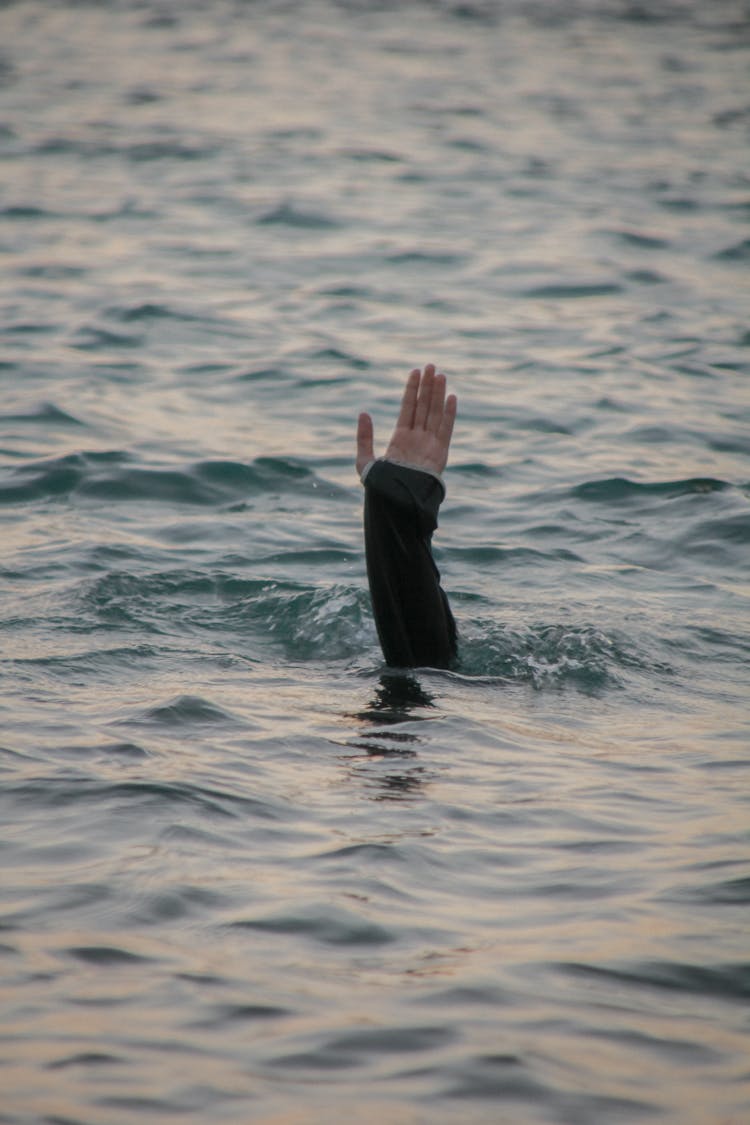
pixel 248 873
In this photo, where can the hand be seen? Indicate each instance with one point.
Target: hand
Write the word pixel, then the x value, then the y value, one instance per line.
pixel 424 427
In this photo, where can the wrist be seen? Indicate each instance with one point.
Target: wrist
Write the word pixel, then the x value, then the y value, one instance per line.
pixel 413 466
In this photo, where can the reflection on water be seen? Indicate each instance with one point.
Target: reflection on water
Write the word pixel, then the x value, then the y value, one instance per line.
pixel 398 698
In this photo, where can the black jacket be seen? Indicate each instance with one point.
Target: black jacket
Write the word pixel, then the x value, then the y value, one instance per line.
pixel 414 621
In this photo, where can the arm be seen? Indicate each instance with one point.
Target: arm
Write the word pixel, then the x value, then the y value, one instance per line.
pixel 403 492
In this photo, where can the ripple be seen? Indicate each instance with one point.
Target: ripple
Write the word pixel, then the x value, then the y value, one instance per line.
pixel 330 925
pixel 424 258
pixel 729 982
pixel 620 489
pixel 548 655
pixel 46 414
pixel 151 797
pixel 111 476
pixel 227 1016
pixel 737 252
pixel 308 622
pixel 86 1059
pixel 571 291
pixel 336 355
pixel 184 710
pixel 150 311
pixel 641 241
pixel 19 212
pixel 682 1051
pixel 730 892
pixel 508 556
pixel 288 215
pixel 106 955
pixel 361 1046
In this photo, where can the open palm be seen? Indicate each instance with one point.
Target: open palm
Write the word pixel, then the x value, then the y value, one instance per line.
pixel 424 427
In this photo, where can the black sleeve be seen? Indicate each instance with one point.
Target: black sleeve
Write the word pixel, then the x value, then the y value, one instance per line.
pixel 414 621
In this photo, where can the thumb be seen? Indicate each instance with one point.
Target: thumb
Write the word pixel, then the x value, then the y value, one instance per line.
pixel 365 452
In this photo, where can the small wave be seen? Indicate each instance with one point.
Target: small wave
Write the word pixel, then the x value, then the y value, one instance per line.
pixel 271 375
pixel 167 150
pixel 306 622
pixel 264 474
pixel 547 655
pixel 149 310
pixel 487 556
pixel 424 258
pixel 640 240
pixel 226 1015
pixel 46 414
pixel 106 955
pixel 86 1058
pixel 142 95
pixel 20 211
pixel 137 151
pixel 329 925
pixel 185 710
pixel 91 339
pixel 737 252
pixel 646 277
pixel 730 892
pixel 621 489
pixel 134 797
pixel 110 475
pixel 721 541
pixel 476 468
pixel 99 662
pixel 571 291
pixel 146 601
pixel 331 623
pixel 335 355
pixel 727 982
pixel 360 1045
pixel 334 622
pixel 372 155
pixel 290 216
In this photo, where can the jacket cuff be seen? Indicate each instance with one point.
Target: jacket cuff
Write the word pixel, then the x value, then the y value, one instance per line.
pixel 403 465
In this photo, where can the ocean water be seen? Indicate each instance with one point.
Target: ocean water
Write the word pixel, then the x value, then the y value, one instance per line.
pixel 248 873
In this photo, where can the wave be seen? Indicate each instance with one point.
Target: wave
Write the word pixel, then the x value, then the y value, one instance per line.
pixel 112 476
pixel 288 215
pixel 563 291
pixel 328 924
pixel 303 621
pixel 261 618
pixel 550 655
pixel 335 623
pixel 185 711
pixel 46 414
pixel 722 982
pixel 737 252
pixel 621 489
pixel 139 151
pixel 164 798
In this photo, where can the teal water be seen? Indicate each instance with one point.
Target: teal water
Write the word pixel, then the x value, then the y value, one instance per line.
pixel 249 874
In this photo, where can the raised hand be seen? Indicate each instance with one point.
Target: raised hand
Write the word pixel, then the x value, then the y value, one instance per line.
pixel 424 428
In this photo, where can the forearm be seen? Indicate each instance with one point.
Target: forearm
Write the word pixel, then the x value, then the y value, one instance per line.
pixel 413 618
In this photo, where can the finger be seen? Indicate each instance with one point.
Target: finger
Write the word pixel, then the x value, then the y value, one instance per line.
pixel 365 450
pixel 445 431
pixel 409 400
pixel 437 405
pixel 425 397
